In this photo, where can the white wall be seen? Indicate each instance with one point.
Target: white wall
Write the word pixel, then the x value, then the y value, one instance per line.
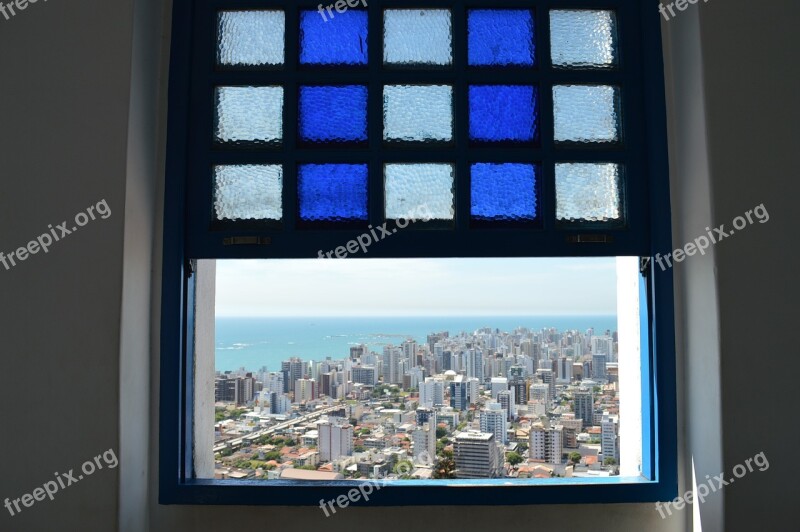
pixel 74 350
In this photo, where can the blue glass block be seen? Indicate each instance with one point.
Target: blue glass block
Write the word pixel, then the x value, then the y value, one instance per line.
pixel 499 113
pixel 501 37
pixel 333 114
pixel 341 40
pixel 332 192
pixel 503 192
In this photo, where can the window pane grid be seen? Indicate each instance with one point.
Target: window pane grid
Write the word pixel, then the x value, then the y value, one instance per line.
pixel 543 76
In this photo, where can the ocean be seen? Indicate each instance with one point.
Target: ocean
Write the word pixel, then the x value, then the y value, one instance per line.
pixel 253 343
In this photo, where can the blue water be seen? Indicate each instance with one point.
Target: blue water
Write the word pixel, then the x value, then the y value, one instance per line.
pixel 255 342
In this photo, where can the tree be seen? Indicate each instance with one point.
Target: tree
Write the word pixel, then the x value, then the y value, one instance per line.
pixel 441 432
pixel 513 458
pixel 290 443
pixel 445 467
pixel 574 457
pixel 610 461
pixel 522 447
pixel 359 448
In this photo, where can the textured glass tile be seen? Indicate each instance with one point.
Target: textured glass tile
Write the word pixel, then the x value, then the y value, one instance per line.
pixel 249 114
pixel 501 37
pixel 503 192
pixel 249 38
pixel 415 189
pixel 502 113
pixel 417 37
pixel 586 113
pixel 587 192
pixel 583 38
pixel 418 112
pixel 332 192
pixel 248 192
pixel 341 40
pixel 333 114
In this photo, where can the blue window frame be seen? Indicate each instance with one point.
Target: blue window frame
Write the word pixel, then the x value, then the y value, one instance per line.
pixel 213 163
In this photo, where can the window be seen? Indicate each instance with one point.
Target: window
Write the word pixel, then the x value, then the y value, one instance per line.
pixel 521 129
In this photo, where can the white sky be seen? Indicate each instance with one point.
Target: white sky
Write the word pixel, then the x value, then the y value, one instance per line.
pixel 416 287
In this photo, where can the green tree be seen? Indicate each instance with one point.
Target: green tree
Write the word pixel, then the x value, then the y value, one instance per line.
pixel 610 461
pixel 445 467
pixel 574 457
pixel 522 447
pixel 513 458
pixel 441 432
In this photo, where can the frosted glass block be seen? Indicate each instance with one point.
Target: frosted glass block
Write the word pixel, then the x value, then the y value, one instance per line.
pixel 503 192
pixel 582 38
pixel 332 192
pixel 248 192
pixel 249 114
pixel 333 113
pixel 417 37
pixel 499 113
pixel 341 40
pixel 501 37
pixel 251 38
pixel 418 112
pixel 586 113
pixel 587 192
pixel 413 190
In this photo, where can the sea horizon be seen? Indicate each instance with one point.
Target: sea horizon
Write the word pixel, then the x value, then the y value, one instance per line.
pixel 255 342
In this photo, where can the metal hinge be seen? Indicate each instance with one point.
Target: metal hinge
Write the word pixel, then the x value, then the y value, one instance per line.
pixel 590 239
pixel 247 240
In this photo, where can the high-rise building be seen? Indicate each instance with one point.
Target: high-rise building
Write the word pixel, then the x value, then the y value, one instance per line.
pixel 335 439
pixel 584 405
pixel 494 419
pixel 424 440
pixel 295 369
pixel 564 370
pixel 357 351
pixel 547 377
pixel 474 363
pixel 547 444
pixel 274 382
pixel 599 367
pixel 305 390
pixel 499 384
pixel 609 436
pixel 540 392
pixel 279 403
pixel 424 415
pixel 431 393
pixel 365 375
pixel 506 400
pixel 478 455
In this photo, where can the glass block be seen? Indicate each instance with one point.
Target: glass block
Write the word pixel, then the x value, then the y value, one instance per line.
pixel 586 113
pixel 251 38
pixel 588 192
pixel 248 192
pixel 413 37
pixel 341 40
pixel 332 192
pixel 418 113
pixel 249 114
pixel 581 38
pixel 419 190
pixel 333 114
pixel 503 192
pixel 501 37
pixel 500 113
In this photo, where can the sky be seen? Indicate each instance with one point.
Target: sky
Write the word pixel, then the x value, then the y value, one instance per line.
pixel 416 287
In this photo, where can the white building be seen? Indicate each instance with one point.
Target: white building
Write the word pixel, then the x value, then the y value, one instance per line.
pixel 547 444
pixel 477 455
pixel 431 393
pixel 494 419
pixel 499 384
pixel 335 439
pixel 424 440
pixel 305 390
pixel 609 442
